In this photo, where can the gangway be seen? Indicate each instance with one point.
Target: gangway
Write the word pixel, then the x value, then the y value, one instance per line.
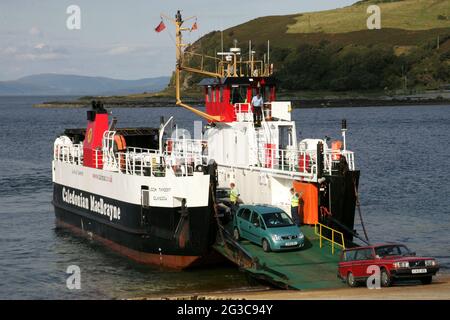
pixel 312 267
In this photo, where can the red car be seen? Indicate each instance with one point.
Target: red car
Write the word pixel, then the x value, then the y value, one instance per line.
pixel 394 260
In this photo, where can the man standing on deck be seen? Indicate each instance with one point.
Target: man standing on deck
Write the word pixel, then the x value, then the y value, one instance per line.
pixel 257 104
pixel 295 199
pixel 234 196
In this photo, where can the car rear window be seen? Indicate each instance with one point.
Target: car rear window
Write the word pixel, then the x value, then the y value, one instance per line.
pixel 349 255
pixel 358 254
pixel 363 254
pixel 245 214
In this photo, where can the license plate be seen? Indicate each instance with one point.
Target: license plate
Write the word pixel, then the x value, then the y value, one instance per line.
pixel 419 271
pixel 289 244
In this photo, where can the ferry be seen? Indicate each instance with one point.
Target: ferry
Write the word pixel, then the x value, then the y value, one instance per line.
pixel 150 194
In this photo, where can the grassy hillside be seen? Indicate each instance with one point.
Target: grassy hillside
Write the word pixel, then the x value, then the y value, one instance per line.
pixel 333 50
pixel 406 14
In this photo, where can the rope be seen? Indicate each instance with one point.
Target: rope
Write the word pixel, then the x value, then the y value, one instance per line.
pixel 358 205
pixel 216 215
pixel 169 33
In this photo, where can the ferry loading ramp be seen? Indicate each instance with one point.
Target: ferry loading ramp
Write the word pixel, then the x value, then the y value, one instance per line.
pixel 311 267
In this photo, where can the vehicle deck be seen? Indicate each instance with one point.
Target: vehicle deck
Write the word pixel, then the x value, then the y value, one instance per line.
pixel 311 267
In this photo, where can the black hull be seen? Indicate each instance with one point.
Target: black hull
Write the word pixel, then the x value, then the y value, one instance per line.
pixel 341 193
pixel 153 235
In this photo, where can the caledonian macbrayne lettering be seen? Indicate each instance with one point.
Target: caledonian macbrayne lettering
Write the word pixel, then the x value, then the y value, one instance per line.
pixel 91 203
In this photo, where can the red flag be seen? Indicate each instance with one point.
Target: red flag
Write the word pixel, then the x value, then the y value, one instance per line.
pixel 161 26
pixel 194 26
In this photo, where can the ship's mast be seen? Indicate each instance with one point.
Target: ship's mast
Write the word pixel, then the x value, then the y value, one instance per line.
pixel 227 67
pixel 179 66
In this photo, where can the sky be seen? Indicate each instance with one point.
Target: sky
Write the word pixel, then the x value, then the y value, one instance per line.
pixel 116 38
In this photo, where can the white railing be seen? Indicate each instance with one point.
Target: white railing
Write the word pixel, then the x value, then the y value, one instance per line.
pixel 141 161
pixel 333 157
pixel 183 157
pixel 186 155
pixel 289 161
pixel 244 112
pixel 69 153
pixel 191 152
pixel 302 163
pixel 135 161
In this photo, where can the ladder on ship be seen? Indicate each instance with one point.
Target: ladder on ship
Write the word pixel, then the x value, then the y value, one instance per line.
pixel 260 143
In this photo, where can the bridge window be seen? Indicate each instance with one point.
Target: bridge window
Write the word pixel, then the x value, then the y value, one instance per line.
pixel 209 97
pixel 267 93
pixel 238 94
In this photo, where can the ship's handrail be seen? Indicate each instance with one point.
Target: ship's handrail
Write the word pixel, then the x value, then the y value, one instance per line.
pixel 333 157
pixel 193 151
pixel 277 172
pixel 69 153
pixel 244 111
pixel 302 162
pixel 182 158
pixel 291 161
pixel 319 232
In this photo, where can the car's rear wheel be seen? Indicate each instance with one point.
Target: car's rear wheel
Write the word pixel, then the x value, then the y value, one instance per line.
pixel 426 280
pixel 266 245
pixel 236 234
pixel 386 280
pixel 351 280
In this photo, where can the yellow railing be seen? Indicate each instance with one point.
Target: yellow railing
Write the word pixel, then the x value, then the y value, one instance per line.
pixel 332 240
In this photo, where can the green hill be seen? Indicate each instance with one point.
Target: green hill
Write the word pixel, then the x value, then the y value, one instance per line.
pixel 406 14
pixel 333 50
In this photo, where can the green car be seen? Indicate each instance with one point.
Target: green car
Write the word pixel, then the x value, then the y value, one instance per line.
pixel 267 226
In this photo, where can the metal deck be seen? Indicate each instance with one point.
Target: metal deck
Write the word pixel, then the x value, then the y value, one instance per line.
pixel 311 267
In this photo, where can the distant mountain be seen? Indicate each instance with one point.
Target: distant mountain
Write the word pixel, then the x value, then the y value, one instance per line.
pixel 59 84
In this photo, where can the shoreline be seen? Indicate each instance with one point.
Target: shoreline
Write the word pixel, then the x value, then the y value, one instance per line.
pixel 296 103
pixel 438 290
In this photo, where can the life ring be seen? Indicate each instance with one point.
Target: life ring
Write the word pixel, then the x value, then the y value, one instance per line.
pixel 336 150
pixel 119 143
pixel 120 146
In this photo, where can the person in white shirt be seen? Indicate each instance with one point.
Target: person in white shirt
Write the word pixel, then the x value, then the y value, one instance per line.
pixel 257 104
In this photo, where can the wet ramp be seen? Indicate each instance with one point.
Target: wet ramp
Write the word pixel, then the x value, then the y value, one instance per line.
pixel 309 268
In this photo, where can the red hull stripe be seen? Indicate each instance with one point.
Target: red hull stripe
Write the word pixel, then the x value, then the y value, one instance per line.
pixel 169 261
